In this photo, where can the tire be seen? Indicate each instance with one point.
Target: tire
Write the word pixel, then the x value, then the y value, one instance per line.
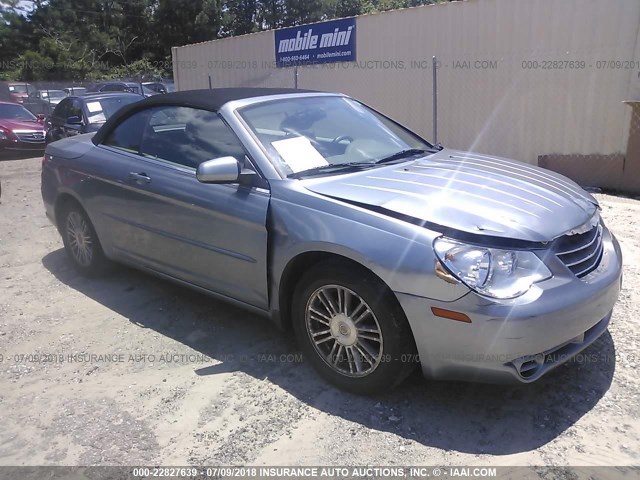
pixel 369 348
pixel 81 242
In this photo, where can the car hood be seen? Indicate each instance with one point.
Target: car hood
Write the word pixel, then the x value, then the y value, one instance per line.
pixel 21 124
pixel 94 127
pixel 471 193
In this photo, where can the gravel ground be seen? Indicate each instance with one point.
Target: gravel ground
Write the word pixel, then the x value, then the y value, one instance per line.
pixel 130 370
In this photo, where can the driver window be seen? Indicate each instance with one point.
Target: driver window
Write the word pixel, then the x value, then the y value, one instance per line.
pixel 128 134
pixel 62 109
pixel 75 110
pixel 188 136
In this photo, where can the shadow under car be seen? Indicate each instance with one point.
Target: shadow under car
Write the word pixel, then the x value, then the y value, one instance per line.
pixel 463 417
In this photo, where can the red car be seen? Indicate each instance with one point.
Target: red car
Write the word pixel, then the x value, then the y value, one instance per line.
pixel 20 91
pixel 20 130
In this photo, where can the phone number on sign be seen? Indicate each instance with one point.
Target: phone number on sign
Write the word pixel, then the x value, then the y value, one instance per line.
pixel 295 58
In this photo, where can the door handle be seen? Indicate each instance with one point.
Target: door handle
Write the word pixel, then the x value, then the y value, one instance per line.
pixel 139 178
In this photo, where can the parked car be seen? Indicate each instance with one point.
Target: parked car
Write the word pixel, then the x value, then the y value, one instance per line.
pixel 75 90
pixel 20 90
pixel 131 87
pixel 52 97
pixel 20 130
pixel 76 115
pixel 43 102
pixel 5 94
pixel 160 87
pixel 377 248
pixel 38 107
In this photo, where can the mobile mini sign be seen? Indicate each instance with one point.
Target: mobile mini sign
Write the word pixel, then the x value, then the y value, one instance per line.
pixel 325 42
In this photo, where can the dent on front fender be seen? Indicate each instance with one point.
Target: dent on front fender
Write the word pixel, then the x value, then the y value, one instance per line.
pixel 398 252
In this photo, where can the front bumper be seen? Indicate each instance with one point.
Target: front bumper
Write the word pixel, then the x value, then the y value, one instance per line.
pixel 522 339
pixel 18 146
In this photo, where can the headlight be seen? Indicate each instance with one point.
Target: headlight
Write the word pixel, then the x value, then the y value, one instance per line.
pixel 490 271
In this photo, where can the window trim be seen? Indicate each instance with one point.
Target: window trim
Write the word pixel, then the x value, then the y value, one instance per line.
pixel 263 182
pixel 261 186
pixel 152 161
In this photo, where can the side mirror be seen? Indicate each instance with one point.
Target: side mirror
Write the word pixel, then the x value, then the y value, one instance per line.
pixel 74 120
pixel 41 117
pixel 219 170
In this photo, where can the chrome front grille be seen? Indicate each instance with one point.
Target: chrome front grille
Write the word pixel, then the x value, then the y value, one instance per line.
pixel 31 137
pixel 582 252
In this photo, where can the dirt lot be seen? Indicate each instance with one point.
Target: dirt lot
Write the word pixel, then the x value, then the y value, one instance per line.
pixel 133 370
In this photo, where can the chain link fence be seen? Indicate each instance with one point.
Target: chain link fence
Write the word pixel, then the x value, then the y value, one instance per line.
pixel 41 97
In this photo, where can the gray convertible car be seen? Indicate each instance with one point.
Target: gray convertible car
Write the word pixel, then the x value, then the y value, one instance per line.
pixel 378 249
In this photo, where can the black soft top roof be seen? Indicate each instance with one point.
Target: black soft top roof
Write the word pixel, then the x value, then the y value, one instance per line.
pixel 207 99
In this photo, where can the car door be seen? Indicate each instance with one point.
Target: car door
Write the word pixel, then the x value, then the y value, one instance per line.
pixel 160 216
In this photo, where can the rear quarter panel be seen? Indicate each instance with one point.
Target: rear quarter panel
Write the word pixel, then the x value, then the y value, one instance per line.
pixel 64 171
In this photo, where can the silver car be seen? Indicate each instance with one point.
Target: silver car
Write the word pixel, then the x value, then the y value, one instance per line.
pixel 380 250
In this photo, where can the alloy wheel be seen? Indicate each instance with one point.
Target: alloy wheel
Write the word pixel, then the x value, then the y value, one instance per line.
pixel 344 330
pixel 79 239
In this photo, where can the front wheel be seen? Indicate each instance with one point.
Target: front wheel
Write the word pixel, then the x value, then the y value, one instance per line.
pixel 351 329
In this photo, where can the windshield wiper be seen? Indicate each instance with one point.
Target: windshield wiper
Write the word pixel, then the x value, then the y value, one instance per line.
pixel 410 152
pixel 357 166
pixel 333 167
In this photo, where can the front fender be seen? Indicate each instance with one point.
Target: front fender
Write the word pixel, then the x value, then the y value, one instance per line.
pixel 400 253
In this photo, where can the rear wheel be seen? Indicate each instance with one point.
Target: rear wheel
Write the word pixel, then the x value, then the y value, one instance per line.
pixel 81 242
pixel 351 329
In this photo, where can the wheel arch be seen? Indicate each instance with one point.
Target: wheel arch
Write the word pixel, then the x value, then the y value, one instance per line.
pixel 66 198
pixel 63 200
pixel 99 263
pixel 299 264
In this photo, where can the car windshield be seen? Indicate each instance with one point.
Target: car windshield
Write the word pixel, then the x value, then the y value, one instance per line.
pixel 15 112
pixel 19 88
pixel 98 111
pixel 57 94
pixel 75 90
pixel 136 89
pixel 310 133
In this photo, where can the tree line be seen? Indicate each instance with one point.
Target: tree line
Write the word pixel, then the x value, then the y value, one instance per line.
pixel 101 39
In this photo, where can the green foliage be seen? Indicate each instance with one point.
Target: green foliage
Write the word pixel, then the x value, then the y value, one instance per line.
pixel 100 39
pixel 143 70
